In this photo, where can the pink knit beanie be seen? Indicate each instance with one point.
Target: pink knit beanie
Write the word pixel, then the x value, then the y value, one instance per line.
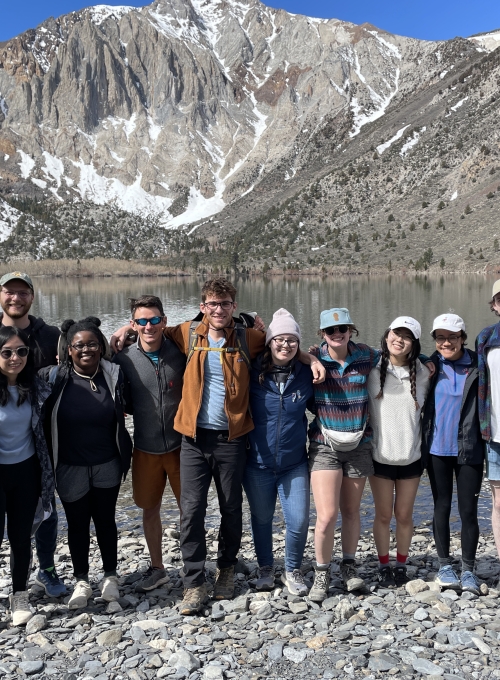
pixel 283 322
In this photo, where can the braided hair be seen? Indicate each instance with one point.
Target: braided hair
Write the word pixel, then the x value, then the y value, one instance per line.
pixel 412 361
pixel 69 328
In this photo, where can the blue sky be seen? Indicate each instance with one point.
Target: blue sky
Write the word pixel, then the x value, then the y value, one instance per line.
pixel 426 19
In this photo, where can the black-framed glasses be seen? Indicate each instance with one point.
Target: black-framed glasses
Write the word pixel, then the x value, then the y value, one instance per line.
pixel 281 342
pixel 451 338
pixel 225 304
pixel 92 346
pixel 21 352
pixel 154 321
pixel 343 328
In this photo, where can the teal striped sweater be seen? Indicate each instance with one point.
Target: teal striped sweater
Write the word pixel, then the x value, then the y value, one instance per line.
pixel 341 401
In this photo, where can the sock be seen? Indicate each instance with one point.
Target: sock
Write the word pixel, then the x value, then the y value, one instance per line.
pixel 82 577
pixel 322 567
pixel 110 573
pixel 444 561
pixel 401 559
pixel 383 561
pixel 467 565
pixel 49 569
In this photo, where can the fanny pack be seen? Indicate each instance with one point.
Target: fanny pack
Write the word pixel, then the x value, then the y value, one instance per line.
pixel 341 441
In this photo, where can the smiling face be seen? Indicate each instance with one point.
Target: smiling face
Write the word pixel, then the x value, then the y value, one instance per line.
pixel 13 365
pixel 400 342
pixel 450 344
pixel 283 348
pixel 16 298
pixel 218 311
pixel 85 352
pixel 151 334
pixel 337 340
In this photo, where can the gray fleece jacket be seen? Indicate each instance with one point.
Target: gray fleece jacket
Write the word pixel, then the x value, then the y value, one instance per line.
pixel 152 395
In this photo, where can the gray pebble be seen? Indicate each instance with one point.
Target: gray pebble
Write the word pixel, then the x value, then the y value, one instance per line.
pixel 31 667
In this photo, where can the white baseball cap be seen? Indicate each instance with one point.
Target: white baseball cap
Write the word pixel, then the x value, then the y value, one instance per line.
pixel 448 322
pixel 407 322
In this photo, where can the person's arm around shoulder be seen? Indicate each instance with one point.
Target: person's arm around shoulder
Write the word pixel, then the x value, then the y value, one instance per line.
pixel 317 368
pixel 179 335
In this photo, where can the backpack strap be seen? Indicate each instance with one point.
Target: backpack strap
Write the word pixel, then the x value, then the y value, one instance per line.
pixel 241 344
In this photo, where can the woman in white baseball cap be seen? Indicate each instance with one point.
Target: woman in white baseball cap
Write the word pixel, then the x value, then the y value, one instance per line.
pixel 397 389
pixel 452 446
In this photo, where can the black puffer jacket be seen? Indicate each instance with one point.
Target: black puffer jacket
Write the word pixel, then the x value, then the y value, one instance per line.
pixel 42 341
pixel 470 443
pixel 57 376
pixel 41 392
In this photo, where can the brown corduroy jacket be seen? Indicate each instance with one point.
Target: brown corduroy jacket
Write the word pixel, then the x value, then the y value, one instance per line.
pixel 236 378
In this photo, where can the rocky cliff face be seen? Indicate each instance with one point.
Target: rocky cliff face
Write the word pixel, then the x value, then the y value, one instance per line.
pixel 183 106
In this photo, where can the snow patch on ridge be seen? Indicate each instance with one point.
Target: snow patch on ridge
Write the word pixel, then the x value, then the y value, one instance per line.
pixel 100 13
pixel 8 219
pixel 382 147
pixel 27 164
pixel 412 141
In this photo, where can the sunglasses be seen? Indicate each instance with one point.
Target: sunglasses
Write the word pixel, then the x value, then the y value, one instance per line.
pixel 331 329
pixel 21 352
pixel 154 321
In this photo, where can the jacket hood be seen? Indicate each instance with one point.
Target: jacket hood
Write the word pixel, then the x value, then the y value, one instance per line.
pixel 37 322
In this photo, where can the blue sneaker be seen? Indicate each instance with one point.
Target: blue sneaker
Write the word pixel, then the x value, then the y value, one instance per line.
pixel 447 578
pixel 50 581
pixel 469 583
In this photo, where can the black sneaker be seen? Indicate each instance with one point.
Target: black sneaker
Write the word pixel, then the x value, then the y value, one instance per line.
pixel 385 577
pixel 400 576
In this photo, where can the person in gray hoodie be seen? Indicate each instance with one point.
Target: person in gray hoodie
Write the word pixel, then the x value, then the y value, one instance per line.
pixel 153 369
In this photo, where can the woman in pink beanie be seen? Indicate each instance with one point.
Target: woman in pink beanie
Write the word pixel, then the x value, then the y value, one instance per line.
pixel 280 391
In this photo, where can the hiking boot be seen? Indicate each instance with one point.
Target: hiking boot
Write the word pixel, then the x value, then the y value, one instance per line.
pixel 81 594
pixel 319 590
pixel 50 582
pixel 20 608
pixel 224 583
pixel 193 600
pixel 447 578
pixel 109 589
pixel 470 583
pixel 152 578
pixel 350 577
pixel 385 577
pixel 294 581
pixel 265 578
pixel 400 575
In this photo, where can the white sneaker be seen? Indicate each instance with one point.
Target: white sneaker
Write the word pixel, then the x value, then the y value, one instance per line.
pixel 294 581
pixel 109 589
pixel 20 608
pixel 81 594
pixel 265 578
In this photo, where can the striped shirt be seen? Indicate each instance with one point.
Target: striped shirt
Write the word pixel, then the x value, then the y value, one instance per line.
pixel 341 401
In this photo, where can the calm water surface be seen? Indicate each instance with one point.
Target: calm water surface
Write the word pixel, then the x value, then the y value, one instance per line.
pixel 372 302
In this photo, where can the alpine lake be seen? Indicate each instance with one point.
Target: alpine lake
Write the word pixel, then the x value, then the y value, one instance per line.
pixel 373 303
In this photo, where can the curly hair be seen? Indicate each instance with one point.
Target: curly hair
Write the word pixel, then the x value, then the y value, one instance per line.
pixel 412 359
pixel 492 309
pixel 266 363
pixel 26 377
pixel 69 328
pixel 219 288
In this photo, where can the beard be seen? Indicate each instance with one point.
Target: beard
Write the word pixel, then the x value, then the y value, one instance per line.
pixel 15 312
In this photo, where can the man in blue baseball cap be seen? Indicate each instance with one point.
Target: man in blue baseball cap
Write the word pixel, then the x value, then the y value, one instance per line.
pixel 16 298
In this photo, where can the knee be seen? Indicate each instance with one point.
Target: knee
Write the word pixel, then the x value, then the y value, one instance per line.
pixel 383 517
pixel 150 514
pixel 350 513
pixel 326 523
pixel 403 517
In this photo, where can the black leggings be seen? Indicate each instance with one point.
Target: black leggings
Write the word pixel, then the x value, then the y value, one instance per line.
pixel 469 478
pixel 99 505
pixel 20 485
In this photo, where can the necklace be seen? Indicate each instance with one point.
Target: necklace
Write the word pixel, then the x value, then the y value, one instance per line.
pixel 93 386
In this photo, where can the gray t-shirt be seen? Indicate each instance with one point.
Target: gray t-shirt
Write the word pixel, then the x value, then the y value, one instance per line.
pixel 16 435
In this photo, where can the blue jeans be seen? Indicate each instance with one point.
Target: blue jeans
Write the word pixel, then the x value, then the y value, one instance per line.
pixel 46 539
pixel 262 486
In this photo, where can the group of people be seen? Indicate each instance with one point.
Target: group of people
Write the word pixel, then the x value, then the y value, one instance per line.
pixel 220 398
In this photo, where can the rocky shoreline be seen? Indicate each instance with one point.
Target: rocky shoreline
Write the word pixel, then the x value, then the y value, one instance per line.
pixel 409 632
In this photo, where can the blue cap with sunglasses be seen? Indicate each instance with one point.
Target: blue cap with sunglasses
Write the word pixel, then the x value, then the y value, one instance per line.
pixel 335 317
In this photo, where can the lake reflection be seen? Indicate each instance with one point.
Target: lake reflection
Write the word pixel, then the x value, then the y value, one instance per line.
pixel 372 302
